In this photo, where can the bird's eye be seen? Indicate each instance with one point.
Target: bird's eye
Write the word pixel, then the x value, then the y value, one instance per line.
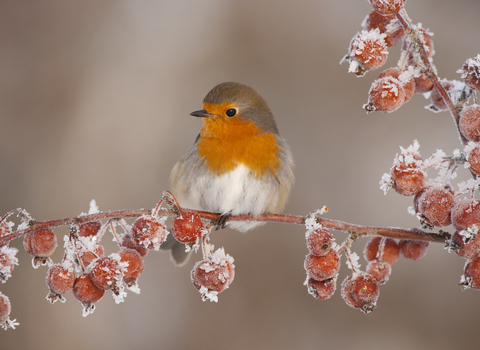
pixel 231 112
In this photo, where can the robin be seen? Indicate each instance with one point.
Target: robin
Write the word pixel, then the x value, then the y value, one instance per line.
pixel 238 165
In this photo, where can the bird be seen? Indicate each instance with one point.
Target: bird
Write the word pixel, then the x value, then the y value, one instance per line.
pixel 238 165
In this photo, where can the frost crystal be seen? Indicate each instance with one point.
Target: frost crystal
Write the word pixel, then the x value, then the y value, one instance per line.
pixel 352 262
pixel 93 207
pixel 468 185
pixel 8 259
pixel 386 183
pixel 206 295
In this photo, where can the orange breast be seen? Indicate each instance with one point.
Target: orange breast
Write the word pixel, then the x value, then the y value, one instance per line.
pixel 225 144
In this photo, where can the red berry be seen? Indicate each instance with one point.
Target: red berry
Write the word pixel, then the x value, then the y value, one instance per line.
pixel 127 242
pixel 360 291
pixel 368 51
pixel 408 174
pixel 89 228
pixel 322 267
pixel 8 260
pixel 5 309
pixel 187 227
pixel 468 250
pixel 473 157
pixel 212 275
pixel 149 231
pixel 375 20
pixel 86 257
pixel 319 241
pixel 408 86
pixel 107 272
pixel 471 72
pixel 438 103
pixel 469 123
pixel 380 270
pixel 412 249
pixel 422 84
pixel 472 273
pixel 436 204
pixel 465 214
pixel 27 243
pixel 135 264
pixel 387 7
pixel 383 249
pixel 60 279
pixel 86 291
pixel 321 290
pixel 43 242
pixel 385 95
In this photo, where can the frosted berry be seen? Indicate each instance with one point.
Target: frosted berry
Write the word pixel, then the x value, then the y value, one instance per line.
pixel 438 103
pixel 319 241
pixel 380 270
pixel 408 85
pixel 360 291
pixel 465 214
pixel 127 242
pixel 473 158
pixel 27 243
pixel 60 279
pixel 106 272
pixel 387 7
pixel 135 264
pixel 43 242
pixel 89 229
pixel 5 228
pixel 469 123
pixel 86 257
pixel 321 290
pixel 187 227
pixel 471 72
pixel 436 204
pixel 385 95
pixel 468 250
pixel 382 248
pixel 472 273
pixel 322 267
pixel 375 20
pixel 408 175
pixel 368 51
pixel 5 309
pixel 8 260
pixel 212 276
pixel 412 249
pixel 86 291
pixel 422 84
pixel 149 231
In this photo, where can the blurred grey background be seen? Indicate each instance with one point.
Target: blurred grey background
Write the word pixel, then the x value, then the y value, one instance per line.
pixel 95 99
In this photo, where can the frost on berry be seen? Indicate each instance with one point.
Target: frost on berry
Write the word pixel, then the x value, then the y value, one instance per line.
pixel 412 249
pixel 465 214
pixel 408 172
pixel 472 273
pixel 422 84
pixel 435 204
pixel 469 123
pixel 322 267
pixel 87 293
pixel 472 151
pixel 321 290
pixel 43 242
pixel 107 273
pixel 406 78
pixel 5 227
pixel 387 7
pixel 127 242
pixel 380 270
pixel 149 231
pixel 388 25
pixel 134 267
pixel 386 95
pixel 89 229
pixel 471 72
pixel 463 247
pixel 60 279
pixel 456 90
pixel 360 291
pixel 319 241
pixel 187 227
pixel 368 51
pixel 383 249
pixel 213 275
pixel 5 309
pixel 8 260
pixel 87 254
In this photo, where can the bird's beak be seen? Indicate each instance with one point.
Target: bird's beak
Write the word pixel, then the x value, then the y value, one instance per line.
pixel 201 114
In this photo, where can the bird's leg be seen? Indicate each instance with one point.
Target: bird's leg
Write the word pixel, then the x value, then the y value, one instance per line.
pixel 221 222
